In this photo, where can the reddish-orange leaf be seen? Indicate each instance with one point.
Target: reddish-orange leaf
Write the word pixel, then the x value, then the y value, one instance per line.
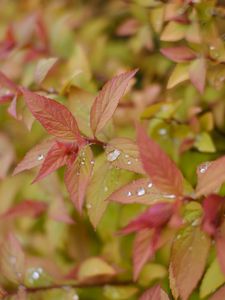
pixel 162 170
pixel 123 153
pixel 188 259
pixel 220 246
pixel 178 54
pixel 55 117
pixel 107 100
pixel 34 157
pixel 12 260
pixel 78 175
pixel 26 208
pixel 57 156
pixel 219 295
pixel 139 191
pixel 211 175
pixel 197 73
pixel 154 293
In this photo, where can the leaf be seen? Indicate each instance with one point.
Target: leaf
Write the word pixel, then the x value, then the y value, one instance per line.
pixel 78 175
pixel 119 292
pixel 219 295
pixel 154 293
pixel 44 66
pixel 211 175
pixel 204 142
pixel 104 181
pixel 7 155
pixel 6 82
pixel 154 217
pixel 220 246
pixel 95 269
pixel 139 191
pixel 212 280
pixel 173 32
pixel 107 100
pixel 178 54
pixel 55 117
pixel 12 260
pixel 59 155
pixel 188 259
pixel 26 208
pixel 123 153
pixel 162 170
pixel 179 74
pixel 34 157
pixel 197 74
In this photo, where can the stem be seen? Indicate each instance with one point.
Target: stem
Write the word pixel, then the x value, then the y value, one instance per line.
pixel 63 286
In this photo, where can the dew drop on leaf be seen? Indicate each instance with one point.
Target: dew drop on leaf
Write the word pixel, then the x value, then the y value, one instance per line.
pixel 203 168
pixel 92 162
pixel 129 162
pixel 129 194
pixel 150 185
pixel 106 189
pixel 113 155
pixel 40 157
pixel 140 191
pixel 126 155
pixel 89 206
pixel 162 131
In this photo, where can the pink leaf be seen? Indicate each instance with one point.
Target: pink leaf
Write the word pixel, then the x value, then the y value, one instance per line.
pixel 78 175
pixel 7 155
pixel 26 208
pixel 34 157
pixel 6 82
pixel 211 175
pixel 154 217
pixel 178 54
pixel 162 170
pixel 139 191
pixel 154 293
pixel 59 155
pixel 55 117
pixel 107 100
pixel 197 73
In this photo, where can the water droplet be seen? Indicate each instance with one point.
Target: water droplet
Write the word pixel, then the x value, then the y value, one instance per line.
pixel 35 275
pixel 82 162
pixel 126 155
pixel 113 155
pixel 75 297
pixel 40 157
pixel 169 196
pixel 129 162
pixel 106 189
pixel 129 194
pixel 89 206
pixel 179 236
pixel 92 162
pixel 141 191
pixel 212 47
pixel 203 168
pixel 150 185
pixel 162 131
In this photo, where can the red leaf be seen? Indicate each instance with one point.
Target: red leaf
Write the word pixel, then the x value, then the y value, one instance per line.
pixel 188 260
pixel 34 157
pixel 107 100
pixel 197 73
pixel 154 293
pixel 161 169
pixel 211 175
pixel 212 207
pixel 178 54
pixel 26 208
pixel 154 217
pixel 55 117
pixel 78 175
pixel 59 155
pixel 139 191
pixel 220 246
pixel 219 295
pixel 143 250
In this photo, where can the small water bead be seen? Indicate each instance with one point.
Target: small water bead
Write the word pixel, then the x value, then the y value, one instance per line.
pixel 179 236
pixel 126 155
pixel 150 185
pixel 113 155
pixel 129 162
pixel 40 157
pixel 203 168
pixel 169 196
pixel 75 297
pixel 129 194
pixel 162 131
pixel 35 275
pixel 141 192
pixel 89 206
pixel 92 162
pixel 82 162
pixel 106 189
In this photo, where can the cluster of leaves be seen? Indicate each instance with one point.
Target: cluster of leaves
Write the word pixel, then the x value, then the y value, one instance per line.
pixel 128 201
